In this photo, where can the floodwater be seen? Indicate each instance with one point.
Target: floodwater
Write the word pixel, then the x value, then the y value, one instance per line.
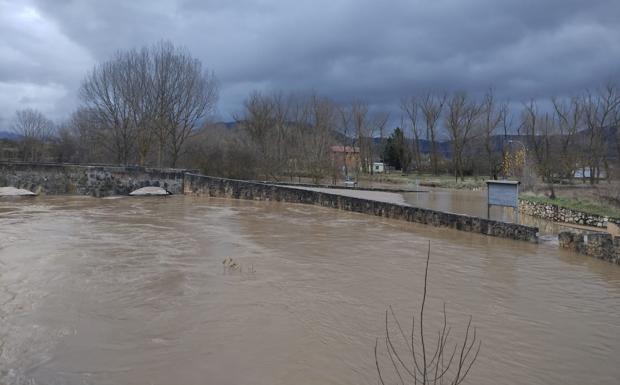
pixel 465 202
pixel 474 203
pixel 133 291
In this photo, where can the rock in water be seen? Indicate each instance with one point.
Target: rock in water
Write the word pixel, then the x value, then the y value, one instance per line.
pixel 15 192
pixel 148 191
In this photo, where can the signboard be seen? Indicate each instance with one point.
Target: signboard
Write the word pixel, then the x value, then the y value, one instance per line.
pixel 503 193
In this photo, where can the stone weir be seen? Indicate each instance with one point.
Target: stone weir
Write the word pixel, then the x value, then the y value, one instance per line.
pixel 599 245
pixel 238 189
pixel 94 180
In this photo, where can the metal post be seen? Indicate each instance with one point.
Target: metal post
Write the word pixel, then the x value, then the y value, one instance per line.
pixel 517 207
pixel 488 204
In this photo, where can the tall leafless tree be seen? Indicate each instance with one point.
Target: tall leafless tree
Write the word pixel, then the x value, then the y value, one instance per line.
pixel 540 129
pixel 411 107
pixel 363 132
pixel 492 117
pixel 104 94
pixel 601 112
pixel 35 130
pixel 432 106
pixel 378 123
pixel 159 92
pixel 185 94
pixel 265 120
pixel 569 121
pixel 346 133
pixel 315 134
pixel 461 119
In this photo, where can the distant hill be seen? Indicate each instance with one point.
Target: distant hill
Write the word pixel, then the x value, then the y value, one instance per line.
pixel 9 135
pixel 498 141
pixel 445 147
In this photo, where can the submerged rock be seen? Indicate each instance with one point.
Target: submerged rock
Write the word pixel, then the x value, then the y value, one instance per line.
pixel 148 191
pixel 15 192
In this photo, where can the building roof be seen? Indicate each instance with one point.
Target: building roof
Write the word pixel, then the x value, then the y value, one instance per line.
pixel 503 181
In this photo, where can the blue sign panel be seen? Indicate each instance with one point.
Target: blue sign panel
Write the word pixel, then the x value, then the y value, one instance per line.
pixel 503 193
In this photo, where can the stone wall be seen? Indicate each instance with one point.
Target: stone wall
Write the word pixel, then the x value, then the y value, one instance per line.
pixel 98 181
pixel 599 245
pixel 229 188
pixel 560 214
pixel 394 190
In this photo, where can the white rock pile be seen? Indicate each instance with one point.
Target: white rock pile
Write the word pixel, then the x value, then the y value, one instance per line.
pixel 150 191
pixel 15 192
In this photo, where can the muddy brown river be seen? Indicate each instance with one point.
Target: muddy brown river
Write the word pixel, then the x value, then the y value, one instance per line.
pixel 133 291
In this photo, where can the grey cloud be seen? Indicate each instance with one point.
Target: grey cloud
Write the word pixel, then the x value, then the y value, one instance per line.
pixel 376 51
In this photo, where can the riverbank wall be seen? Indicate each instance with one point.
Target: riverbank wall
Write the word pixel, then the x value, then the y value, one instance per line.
pixel 93 180
pixel 237 189
pixel 378 189
pixel 556 213
pixel 598 245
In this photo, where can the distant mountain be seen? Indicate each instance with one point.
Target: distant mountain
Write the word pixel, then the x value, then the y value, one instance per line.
pixel 444 147
pixel 9 135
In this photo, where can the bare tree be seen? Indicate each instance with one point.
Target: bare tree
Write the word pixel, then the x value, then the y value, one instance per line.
pixel 346 132
pixel 460 121
pixel 155 92
pixel 540 129
pixel 569 120
pixel 89 148
pixel 35 130
pixel 218 150
pixel 418 362
pixel 138 92
pixel 357 127
pixel 357 120
pixel 432 106
pixel 410 106
pixel 492 117
pixel 315 133
pixel 507 120
pixel 184 95
pixel 378 122
pixel 104 95
pixel 265 120
pixel 363 132
pixel 601 112
pixel 257 122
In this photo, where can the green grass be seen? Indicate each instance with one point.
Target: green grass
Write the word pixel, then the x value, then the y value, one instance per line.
pixel 584 206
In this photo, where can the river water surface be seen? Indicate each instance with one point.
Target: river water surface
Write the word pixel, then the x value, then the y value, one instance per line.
pixel 133 291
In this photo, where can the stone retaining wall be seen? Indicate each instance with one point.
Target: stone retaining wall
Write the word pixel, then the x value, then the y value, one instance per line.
pixel 380 189
pixel 98 181
pixel 599 245
pixel 229 188
pixel 560 214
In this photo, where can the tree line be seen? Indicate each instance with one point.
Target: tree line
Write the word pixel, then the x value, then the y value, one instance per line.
pixel 152 106
pixel 558 137
pixel 139 107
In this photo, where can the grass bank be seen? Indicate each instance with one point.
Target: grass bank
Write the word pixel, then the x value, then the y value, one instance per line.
pixel 582 205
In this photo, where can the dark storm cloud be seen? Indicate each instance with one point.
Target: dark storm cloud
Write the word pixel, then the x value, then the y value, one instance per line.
pixel 372 50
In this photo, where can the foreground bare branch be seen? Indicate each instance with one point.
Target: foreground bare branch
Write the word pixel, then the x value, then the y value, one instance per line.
pixel 422 363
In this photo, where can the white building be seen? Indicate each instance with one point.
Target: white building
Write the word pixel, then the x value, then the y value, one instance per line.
pixel 378 168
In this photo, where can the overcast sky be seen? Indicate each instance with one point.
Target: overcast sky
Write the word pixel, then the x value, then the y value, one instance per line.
pixel 377 51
